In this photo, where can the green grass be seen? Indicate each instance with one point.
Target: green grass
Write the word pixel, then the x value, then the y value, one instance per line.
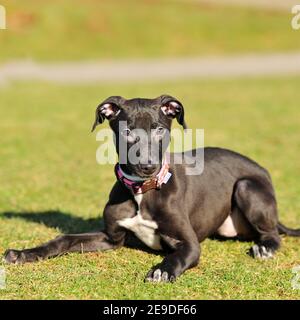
pixel 92 29
pixel 51 183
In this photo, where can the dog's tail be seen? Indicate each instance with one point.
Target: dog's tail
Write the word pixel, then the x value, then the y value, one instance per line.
pixel 289 232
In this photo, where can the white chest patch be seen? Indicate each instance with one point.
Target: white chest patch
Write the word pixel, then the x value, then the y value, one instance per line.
pixel 142 228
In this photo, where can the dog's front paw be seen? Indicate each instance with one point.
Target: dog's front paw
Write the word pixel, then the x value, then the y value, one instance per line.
pixel 261 252
pixel 23 256
pixel 14 256
pixel 158 274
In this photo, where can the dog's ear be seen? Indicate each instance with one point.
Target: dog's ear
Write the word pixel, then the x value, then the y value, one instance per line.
pixel 108 109
pixel 173 108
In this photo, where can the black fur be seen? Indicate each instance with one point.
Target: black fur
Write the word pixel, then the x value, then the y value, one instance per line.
pixel 187 210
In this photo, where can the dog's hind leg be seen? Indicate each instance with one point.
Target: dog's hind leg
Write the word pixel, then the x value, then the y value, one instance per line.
pixel 85 242
pixel 255 198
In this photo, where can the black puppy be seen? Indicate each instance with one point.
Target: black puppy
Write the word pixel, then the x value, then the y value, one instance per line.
pixel 166 208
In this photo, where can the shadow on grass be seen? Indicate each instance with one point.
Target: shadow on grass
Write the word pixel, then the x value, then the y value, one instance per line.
pixel 64 222
pixel 68 223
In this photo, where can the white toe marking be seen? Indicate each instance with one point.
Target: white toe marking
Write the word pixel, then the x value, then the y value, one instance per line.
pixel 164 276
pixel 256 252
pixel 262 252
pixel 266 254
pixel 157 275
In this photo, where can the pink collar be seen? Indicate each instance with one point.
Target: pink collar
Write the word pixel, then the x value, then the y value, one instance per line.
pixel 139 186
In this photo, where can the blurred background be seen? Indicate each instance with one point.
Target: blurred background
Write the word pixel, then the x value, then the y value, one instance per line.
pixel 92 29
pixel 234 64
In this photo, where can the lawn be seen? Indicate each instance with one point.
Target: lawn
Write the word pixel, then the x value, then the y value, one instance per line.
pixel 92 29
pixel 51 183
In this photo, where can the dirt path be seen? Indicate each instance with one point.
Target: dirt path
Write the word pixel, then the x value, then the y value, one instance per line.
pixel 153 70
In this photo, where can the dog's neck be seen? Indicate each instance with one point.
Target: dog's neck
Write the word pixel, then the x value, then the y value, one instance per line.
pixel 138 185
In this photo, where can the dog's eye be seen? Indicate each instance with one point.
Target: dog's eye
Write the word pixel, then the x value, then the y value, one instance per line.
pixel 160 131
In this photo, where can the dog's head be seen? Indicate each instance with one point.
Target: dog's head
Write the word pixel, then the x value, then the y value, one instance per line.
pixel 142 130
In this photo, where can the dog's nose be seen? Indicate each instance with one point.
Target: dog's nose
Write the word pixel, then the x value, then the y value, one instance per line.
pixel 148 168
